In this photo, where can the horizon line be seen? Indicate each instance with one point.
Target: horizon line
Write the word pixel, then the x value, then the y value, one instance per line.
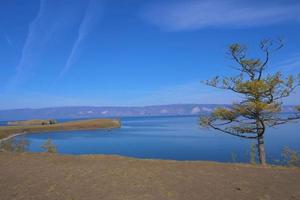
pixel 124 106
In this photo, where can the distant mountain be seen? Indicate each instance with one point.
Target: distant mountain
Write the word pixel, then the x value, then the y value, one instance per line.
pixel 93 112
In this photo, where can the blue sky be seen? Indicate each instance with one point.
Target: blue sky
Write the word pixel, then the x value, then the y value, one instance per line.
pixel 132 52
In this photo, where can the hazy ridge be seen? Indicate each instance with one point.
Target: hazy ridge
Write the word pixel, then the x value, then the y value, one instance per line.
pixel 110 111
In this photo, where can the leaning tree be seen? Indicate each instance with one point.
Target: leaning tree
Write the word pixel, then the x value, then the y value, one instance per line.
pixel 262 97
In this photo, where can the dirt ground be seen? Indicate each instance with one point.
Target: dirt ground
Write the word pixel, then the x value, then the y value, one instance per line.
pixel 44 176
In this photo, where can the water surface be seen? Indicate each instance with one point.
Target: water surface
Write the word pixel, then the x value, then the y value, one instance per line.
pixel 176 138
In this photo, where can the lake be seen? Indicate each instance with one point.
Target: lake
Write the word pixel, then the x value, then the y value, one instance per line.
pixel 175 138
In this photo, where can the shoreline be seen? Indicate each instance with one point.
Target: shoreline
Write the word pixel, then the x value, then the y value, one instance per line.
pixel 24 133
pixel 10 137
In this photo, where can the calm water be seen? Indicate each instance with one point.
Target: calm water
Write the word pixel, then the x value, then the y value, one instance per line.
pixel 177 138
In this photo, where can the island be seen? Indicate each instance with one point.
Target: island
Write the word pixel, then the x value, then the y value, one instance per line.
pixel 37 126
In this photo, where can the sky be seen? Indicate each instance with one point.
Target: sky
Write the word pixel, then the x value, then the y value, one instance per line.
pixel 133 52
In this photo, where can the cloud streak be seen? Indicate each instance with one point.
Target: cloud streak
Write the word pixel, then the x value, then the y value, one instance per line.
pixel 197 14
pixel 8 40
pixel 26 55
pixel 191 92
pixel 291 65
pixel 92 15
pixel 46 29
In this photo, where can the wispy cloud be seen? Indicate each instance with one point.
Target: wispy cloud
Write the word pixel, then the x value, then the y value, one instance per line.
pixel 26 55
pixel 47 27
pixel 197 14
pixel 8 40
pixel 92 16
pixel 40 100
pixel 290 65
pixel 195 92
pixel 191 92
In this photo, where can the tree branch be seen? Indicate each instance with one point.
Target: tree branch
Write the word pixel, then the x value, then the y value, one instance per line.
pixel 232 133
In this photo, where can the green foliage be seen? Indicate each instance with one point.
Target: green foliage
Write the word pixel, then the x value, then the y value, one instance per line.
pixel 204 121
pixel 22 145
pixel 225 114
pixel 52 121
pixel 290 157
pixel 49 147
pixel 14 145
pixel 7 145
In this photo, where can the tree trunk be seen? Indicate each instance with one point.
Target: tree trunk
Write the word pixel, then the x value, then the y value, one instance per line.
pixel 261 150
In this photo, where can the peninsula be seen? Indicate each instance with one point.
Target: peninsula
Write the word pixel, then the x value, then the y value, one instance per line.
pixel 35 126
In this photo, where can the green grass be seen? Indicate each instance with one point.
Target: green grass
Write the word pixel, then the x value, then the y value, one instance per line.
pixel 6 131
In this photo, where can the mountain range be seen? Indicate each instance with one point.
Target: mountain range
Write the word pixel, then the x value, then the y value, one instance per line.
pixel 111 111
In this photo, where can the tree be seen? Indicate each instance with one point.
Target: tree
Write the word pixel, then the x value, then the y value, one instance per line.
pixel 49 147
pixel 262 95
pixel 52 121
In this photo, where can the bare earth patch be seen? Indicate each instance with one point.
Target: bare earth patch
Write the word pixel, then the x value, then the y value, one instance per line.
pixel 50 176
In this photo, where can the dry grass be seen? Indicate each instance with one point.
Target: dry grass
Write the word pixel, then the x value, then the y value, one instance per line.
pixel 30 122
pixel 50 176
pixel 6 131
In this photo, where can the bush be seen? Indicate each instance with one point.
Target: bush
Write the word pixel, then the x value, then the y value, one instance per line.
pixel 49 146
pixel 290 157
pixel 14 145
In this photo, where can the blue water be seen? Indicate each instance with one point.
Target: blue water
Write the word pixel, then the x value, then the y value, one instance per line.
pixel 176 138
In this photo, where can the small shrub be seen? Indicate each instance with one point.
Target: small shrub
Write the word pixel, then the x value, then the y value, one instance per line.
pixel 7 145
pixel 49 146
pixel 233 157
pixel 22 145
pixel 14 145
pixel 52 121
pixel 290 157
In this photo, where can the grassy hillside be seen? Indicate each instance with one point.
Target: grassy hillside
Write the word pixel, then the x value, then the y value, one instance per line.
pixel 50 176
pixel 6 131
